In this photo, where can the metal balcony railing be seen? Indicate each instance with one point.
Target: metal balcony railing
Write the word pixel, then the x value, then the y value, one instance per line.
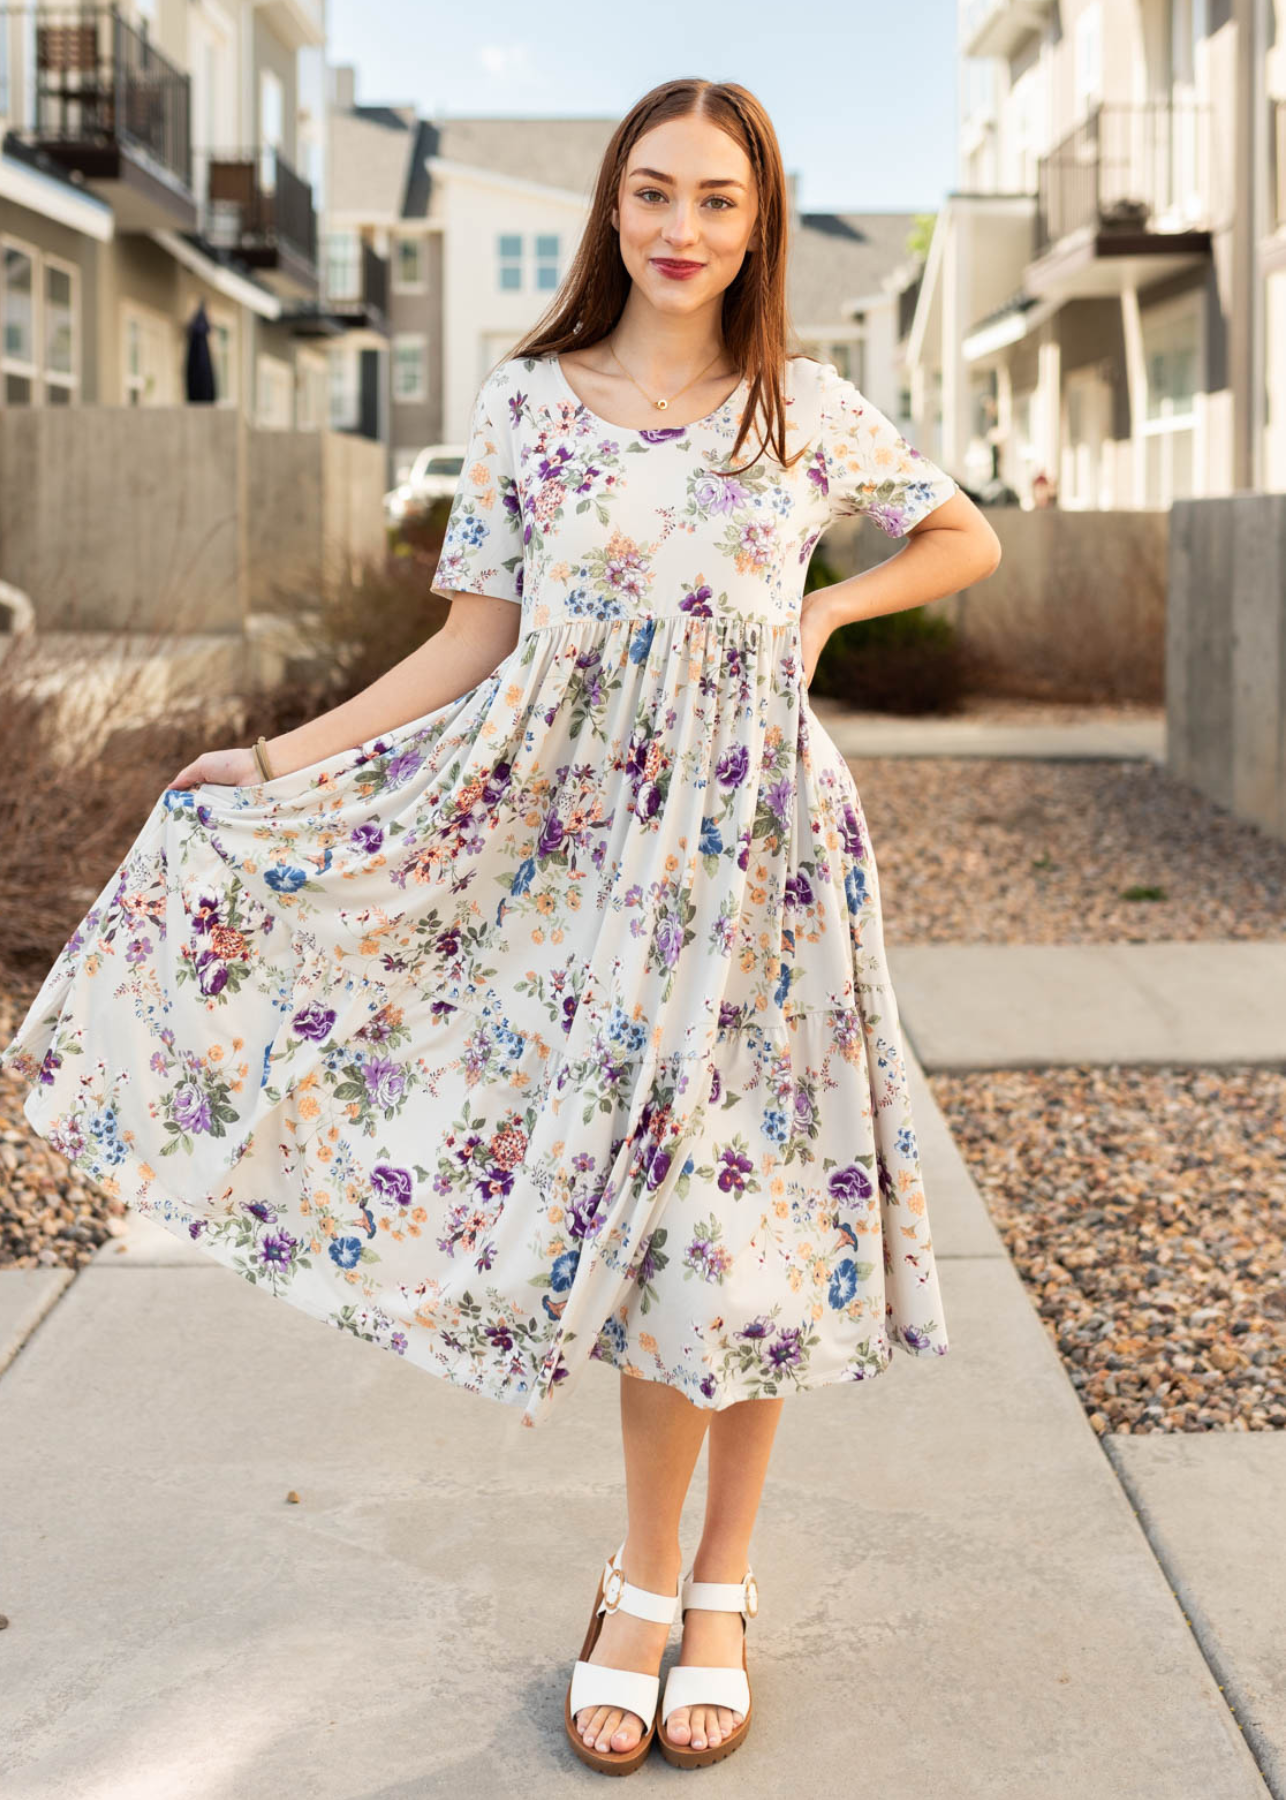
pixel 101 86
pixel 356 275
pixel 256 204
pixel 1141 167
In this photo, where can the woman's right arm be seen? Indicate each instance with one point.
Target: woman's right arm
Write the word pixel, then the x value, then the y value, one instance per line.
pixel 479 632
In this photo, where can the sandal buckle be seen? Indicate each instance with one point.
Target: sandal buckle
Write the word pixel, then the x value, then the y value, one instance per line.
pixel 751 1595
pixel 612 1590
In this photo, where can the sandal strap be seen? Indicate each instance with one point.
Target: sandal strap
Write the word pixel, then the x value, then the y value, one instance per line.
pixel 688 1684
pixel 621 1595
pixel 722 1596
pixel 594 1684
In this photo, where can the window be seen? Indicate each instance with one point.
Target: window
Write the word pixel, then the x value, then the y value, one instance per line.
pixel 274 394
pixel 342 265
pixel 410 367
pixel 223 356
pixel 509 269
pixel 1089 59
pixel 547 262
pixel 345 398
pixel 410 262
pixel 1172 360
pixel 271 117
pixel 18 345
pixel 149 355
pixel 61 348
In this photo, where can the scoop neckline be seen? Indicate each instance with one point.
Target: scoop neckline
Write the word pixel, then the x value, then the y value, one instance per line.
pixel 638 430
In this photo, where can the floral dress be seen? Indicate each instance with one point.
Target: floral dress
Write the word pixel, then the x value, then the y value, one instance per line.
pixel 554 1024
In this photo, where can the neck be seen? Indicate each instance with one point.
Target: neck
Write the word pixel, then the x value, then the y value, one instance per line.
pixel 657 348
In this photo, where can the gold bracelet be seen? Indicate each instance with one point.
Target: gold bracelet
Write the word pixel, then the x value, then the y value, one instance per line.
pixel 261 757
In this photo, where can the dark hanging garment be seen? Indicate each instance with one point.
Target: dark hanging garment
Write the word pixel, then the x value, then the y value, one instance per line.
pixel 199 376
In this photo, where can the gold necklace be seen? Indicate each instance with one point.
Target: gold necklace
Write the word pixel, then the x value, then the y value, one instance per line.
pixel 660 404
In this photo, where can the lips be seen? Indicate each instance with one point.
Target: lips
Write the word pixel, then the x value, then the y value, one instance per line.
pixel 670 262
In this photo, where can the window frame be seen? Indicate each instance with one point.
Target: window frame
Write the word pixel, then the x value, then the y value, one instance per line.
pixel 403 240
pixel 402 340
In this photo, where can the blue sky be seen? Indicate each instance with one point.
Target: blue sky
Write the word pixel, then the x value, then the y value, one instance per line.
pixel 862 94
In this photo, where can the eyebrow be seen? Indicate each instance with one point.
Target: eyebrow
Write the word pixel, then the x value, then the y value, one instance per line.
pixel 715 181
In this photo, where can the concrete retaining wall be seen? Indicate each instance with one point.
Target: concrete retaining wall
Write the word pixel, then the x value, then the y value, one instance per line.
pixel 179 518
pixel 1076 609
pixel 1226 653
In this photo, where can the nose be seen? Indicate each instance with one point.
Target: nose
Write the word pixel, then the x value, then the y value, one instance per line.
pixel 680 230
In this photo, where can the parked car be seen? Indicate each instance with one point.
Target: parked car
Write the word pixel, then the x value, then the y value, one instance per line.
pixel 433 475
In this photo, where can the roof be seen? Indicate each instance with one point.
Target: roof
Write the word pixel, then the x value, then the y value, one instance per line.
pixel 842 256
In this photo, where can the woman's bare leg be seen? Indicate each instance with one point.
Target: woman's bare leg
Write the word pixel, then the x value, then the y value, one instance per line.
pixel 741 1440
pixel 662 1433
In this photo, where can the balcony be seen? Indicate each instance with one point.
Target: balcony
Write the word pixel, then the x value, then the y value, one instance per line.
pixel 1125 196
pixel 111 110
pixel 354 293
pixel 1002 27
pixel 260 210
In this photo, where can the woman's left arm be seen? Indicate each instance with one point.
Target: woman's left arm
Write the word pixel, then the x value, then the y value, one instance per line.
pixel 949 549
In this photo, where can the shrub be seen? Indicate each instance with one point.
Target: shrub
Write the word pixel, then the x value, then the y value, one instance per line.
pixel 901 662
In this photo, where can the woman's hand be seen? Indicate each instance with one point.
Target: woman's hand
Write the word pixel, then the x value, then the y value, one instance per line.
pixel 233 768
pixel 815 627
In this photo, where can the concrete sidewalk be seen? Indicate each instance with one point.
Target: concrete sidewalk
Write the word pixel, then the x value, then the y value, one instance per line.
pixel 957 1598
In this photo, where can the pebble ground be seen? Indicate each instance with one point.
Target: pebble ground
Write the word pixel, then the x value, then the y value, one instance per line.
pixel 1145 1209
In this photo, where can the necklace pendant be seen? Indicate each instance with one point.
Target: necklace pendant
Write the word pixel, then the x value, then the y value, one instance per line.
pixel 662 404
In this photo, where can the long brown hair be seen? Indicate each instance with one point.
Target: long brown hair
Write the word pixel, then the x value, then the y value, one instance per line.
pixel 755 323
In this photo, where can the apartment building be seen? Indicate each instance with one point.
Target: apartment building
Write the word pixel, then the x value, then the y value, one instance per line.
pixel 1102 304
pixel 159 156
pixel 454 234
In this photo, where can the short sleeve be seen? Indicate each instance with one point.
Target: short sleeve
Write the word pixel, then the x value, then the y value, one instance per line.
pixel 482 547
pixel 870 467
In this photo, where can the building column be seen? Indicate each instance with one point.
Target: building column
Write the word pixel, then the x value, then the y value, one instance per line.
pixel 1136 378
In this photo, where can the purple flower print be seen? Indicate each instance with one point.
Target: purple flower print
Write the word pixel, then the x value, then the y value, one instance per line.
pixel 314 1022
pixel 786 1349
pixel 211 973
pixel 191 1107
pixel 261 1210
pixel 367 837
pixel 205 914
pixel 551 835
pixel 851 830
pixel 669 939
pixel 278 1248
pixel 401 767
pixel 736 1167
pixel 139 949
pixel 660 433
pixel 570 1004
pixel 733 766
pixel 656 1164
pixel 756 1329
pixel 697 603
pixel 716 1085
pixel 799 890
pixel 385 1081
pixel 850 1185
pixel 393 1184
pixel 803 1110
pixel 718 495
pixel 779 798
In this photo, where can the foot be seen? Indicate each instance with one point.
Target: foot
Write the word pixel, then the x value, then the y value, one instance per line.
pixel 714 1640
pixel 626 1642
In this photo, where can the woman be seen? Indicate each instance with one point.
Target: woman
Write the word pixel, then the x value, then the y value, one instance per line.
pixel 553 1022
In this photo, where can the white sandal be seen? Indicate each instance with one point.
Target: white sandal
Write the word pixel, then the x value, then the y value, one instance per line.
pixel 691 1684
pixel 630 1690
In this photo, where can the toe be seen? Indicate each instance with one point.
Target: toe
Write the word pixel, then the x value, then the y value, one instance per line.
pixel 588 1720
pixel 603 1741
pixel 698 1718
pixel 677 1725
pixel 726 1722
pixel 628 1732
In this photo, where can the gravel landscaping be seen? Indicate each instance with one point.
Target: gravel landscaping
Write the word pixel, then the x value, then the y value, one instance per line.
pixel 1145 1210
pixel 991 851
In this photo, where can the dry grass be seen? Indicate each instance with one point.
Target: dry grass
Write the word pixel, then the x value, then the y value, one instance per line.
pixel 84 753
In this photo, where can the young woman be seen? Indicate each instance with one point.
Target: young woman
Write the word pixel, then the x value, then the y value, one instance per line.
pixel 534 1009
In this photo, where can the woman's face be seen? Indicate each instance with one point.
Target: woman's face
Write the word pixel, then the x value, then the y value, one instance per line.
pixel 687 199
